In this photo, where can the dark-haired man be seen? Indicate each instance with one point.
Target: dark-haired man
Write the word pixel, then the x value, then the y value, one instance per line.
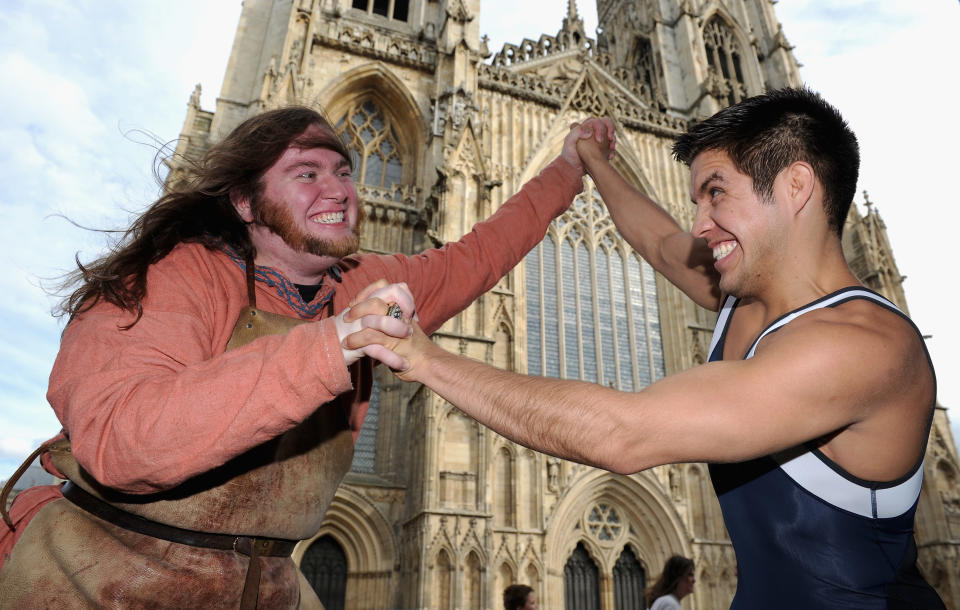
pixel 208 405
pixel 815 407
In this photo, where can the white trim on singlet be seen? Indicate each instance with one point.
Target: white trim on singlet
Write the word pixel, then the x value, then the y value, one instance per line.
pixel 843 295
pixel 811 472
pixel 721 325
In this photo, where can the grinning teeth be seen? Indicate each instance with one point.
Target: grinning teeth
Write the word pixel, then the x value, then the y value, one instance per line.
pixel 328 218
pixel 723 249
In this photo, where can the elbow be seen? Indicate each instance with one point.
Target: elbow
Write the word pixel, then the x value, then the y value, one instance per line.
pixel 622 467
pixel 127 476
pixel 626 454
pixel 627 464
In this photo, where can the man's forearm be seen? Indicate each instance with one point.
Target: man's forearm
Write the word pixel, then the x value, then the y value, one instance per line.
pixel 573 420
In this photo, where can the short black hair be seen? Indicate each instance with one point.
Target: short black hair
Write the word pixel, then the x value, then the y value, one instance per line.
pixel 515 596
pixel 764 134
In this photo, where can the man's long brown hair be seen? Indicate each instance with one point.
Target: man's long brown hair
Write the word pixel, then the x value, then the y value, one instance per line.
pixel 197 209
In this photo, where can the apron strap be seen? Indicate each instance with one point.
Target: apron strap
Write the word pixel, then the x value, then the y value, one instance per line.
pixel 8 486
pixel 251 281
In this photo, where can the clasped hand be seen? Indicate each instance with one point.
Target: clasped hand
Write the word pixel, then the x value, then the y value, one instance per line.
pixel 367 331
pixel 588 142
pixel 367 318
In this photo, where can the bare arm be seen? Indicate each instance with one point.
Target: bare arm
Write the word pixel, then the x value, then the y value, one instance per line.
pixel 806 382
pixel 684 260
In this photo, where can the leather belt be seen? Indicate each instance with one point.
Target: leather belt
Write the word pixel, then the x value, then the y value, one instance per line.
pixel 252 547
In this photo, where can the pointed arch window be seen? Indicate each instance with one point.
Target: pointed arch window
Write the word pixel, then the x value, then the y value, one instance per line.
pixel 325 567
pixel 581 581
pixel 725 57
pixel 629 582
pixel 645 67
pixel 592 309
pixel 369 131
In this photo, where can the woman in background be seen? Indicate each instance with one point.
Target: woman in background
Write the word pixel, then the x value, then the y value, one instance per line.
pixel 675 583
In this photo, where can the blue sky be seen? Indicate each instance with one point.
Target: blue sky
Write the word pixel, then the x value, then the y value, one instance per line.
pixel 88 84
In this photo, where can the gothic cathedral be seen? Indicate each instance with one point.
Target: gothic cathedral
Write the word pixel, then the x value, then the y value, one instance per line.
pixel 439 512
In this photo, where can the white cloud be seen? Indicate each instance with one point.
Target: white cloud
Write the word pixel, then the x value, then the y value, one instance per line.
pixel 14 447
pixel 45 99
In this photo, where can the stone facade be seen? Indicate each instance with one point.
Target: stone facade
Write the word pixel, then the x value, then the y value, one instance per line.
pixel 439 511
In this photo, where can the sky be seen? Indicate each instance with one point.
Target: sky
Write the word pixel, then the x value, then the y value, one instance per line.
pixel 92 86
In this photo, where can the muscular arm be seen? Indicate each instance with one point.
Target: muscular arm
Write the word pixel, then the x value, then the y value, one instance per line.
pixel 652 231
pixel 806 382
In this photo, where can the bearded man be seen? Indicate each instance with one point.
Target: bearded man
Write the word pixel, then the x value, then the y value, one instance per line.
pixel 209 409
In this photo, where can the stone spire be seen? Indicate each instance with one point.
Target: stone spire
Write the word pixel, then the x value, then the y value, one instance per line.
pixel 573 23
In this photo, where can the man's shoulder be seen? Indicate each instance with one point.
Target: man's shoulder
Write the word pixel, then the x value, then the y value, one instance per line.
pixel 194 268
pixel 194 256
pixel 860 319
pixel 866 345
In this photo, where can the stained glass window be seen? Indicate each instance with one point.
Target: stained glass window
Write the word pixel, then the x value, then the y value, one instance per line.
pixel 325 567
pixel 629 582
pixel 592 310
pixel 581 581
pixel 367 131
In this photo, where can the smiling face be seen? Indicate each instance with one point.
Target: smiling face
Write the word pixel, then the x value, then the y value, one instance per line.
pixel 743 230
pixel 306 216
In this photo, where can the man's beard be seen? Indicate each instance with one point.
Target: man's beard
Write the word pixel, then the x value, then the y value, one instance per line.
pixel 279 220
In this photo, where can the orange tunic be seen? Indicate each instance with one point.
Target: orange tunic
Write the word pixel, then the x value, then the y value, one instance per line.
pixel 150 408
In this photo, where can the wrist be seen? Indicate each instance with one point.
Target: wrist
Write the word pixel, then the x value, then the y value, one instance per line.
pixel 423 363
pixel 574 162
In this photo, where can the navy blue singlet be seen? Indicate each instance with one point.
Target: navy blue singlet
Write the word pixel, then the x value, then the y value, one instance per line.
pixel 808 534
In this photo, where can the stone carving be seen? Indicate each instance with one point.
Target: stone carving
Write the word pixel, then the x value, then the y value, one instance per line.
pixel 453 108
pixel 458 12
pixel 553 474
pixel 644 16
pixel 368 42
pixel 195 98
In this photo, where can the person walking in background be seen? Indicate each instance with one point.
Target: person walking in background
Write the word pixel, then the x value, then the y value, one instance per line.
pixel 519 597
pixel 675 582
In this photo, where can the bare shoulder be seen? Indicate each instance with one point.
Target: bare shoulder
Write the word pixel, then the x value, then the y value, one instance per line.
pixel 856 324
pixel 873 361
pixel 883 344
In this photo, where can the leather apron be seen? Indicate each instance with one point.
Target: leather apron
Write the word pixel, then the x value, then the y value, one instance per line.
pixel 280 489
